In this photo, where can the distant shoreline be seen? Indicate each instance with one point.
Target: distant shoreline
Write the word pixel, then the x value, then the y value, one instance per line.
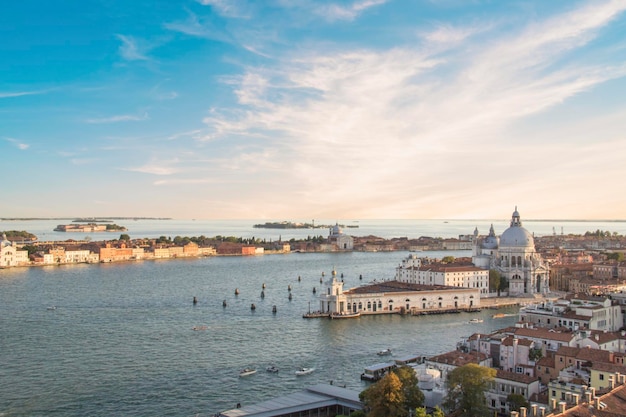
pixel 82 219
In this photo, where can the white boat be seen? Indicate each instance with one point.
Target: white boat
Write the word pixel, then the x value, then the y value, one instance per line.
pixel 247 371
pixel 304 371
pixel 272 369
pixel 384 352
pixel 476 321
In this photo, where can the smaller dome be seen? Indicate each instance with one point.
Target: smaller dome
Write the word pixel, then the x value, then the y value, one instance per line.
pixel 490 242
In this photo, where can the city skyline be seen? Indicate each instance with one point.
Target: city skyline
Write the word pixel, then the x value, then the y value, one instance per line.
pixel 381 109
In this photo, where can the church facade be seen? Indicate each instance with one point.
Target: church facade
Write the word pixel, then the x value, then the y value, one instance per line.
pixel 513 255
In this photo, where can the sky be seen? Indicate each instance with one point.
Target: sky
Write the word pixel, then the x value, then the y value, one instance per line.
pixel 305 109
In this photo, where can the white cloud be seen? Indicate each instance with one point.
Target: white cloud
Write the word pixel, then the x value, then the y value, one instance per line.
pixel 167 167
pixel 228 8
pixel 21 93
pixel 130 49
pixel 334 11
pixel 18 143
pixel 118 118
pixel 407 127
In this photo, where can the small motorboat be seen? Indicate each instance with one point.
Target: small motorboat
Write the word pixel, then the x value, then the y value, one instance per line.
pixel 247 371
pixel 476 321
pixel 304 371
pixel 272 369
pixel 384 352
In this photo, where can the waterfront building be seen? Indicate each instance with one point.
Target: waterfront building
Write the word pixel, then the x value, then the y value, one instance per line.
pixel 110 253
pixel 576 313
pixel 319 400
pixel 339 240
pixel 10 255
pixel 395 297
pixel 426 271
pixel 514 256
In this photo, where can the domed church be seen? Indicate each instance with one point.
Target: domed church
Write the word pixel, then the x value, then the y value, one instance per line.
pixel 513 255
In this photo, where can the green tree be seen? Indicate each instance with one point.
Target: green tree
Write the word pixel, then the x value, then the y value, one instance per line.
pixel 617 256
pixel 420 412
pixel 516 401
pixel 495 281
pixel 438 412
pixel 413 396
pixel 125 237
pixel 385 398
pixel 447 259
pixel 30 248
pixel 466 389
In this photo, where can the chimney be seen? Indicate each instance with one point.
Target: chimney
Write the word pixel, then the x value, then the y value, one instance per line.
pixel 562 406
pixel 514 413
pixel 575 398
pixel 611 382
pixel 533 410
pixel 553 404
pixel 596 402
pixel 588 397
pixel 522 411
pixel 542 411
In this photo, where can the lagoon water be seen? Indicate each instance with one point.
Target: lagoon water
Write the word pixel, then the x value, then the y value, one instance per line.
pixel 120 339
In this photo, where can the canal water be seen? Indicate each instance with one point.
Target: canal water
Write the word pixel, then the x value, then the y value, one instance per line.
pixel 117 339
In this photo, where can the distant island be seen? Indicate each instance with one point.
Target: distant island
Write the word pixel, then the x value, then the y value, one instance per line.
pixel 89 228
pixel 293 225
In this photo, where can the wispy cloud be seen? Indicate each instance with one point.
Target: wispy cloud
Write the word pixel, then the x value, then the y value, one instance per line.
pixel 131 49
pixel 18 143
pixel 162 167
pixel 396 122
pixel 193 26
pixel 8 94
pixel 229 8
pixel 119 118
pixel 334 11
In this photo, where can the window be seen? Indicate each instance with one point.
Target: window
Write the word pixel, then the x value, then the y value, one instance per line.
pixel 601 377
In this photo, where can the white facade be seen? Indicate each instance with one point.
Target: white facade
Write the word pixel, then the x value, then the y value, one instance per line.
pixel 10 255
pixel 507 383
pixel 341 240
pixel 575 314
pixel 513 255
pixel 395 297
pixel 427 272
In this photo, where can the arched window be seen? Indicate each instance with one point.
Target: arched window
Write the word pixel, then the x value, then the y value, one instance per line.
pixel 369 305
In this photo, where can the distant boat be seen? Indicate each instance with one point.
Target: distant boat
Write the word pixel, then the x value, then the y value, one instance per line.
pixel 247 371
pixel 272 369
pixel 476 321
pixel 304 371
pixel 345 315
pixel 384 352
pixel 498 316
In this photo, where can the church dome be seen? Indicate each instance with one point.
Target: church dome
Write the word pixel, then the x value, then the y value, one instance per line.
pixel 516 235
pixel 491 241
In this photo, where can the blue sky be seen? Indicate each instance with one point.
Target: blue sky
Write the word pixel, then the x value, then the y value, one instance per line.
pixel 300 109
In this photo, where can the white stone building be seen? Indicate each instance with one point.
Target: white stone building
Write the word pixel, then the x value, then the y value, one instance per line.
pixel 513 255
pixel 395 297
pixel 10 255
pixel 576 314
pixel 425 271
pixel 339 239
